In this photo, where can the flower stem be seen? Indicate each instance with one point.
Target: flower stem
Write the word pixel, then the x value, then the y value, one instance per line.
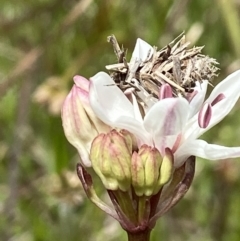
pixel 143 235
pixel 125 203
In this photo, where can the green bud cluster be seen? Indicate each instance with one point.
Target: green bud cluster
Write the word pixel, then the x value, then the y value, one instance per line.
pixel 120 165
pixel 150 171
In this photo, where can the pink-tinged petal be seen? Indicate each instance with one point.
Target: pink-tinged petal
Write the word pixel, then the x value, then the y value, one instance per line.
pixel 165 92
pixel 204 115
pixel 142 51
pixel 80 123
pixel 77 127
pixel 177 142
pixel 167 117
pixel 165 120
pixel 204 150
pixel 81 82
pixel 163 142
pixel 82 95
pixel 111 106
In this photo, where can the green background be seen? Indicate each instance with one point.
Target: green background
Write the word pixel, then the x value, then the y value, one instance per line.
pixel 43 44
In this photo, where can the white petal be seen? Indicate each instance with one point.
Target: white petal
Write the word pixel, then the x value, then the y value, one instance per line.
pixel 163 142
pixel 204 150
pixel 192 130
pixel 230 87
pixel 142 51
pixel 198 99
pixel 167 117
pixel 165 120
pixel 111 106
pixel 78 131
pixel 107 100
pixel 137 112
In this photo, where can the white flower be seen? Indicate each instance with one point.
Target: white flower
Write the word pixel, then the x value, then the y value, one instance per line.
pixel 135 140
pixel 80 123
pixel 174 123
pixel 171 122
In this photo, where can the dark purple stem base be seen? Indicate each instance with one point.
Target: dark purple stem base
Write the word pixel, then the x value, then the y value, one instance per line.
pixel 139 236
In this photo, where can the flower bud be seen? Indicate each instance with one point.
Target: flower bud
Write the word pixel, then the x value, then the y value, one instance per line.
pixel 111 156
pixel 166 170
pixel 138 176
pixel 145 169
pixel 80 124
pixel 130 140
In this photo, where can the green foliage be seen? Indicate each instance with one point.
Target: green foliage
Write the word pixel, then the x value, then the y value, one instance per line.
pixel 42 45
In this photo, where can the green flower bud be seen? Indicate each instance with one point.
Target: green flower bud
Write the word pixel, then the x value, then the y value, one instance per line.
pixel 166 167
pixel 111 157
pixel 166 170
pixel 138 176
pixel 130 139
pixel 145 169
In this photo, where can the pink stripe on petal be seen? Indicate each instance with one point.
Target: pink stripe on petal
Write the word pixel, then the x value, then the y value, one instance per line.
pixel 167 117
pixel 177 143
pixel 205 115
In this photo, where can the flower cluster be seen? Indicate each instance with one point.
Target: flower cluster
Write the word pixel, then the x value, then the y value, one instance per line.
pixel 142 140
pixel 98 105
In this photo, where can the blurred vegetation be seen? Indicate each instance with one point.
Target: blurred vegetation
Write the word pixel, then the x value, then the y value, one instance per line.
pixel 43 44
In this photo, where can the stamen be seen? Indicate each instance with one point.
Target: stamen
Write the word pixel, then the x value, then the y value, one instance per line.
pixel 218 99
pixel 205 115
pixel 165 92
